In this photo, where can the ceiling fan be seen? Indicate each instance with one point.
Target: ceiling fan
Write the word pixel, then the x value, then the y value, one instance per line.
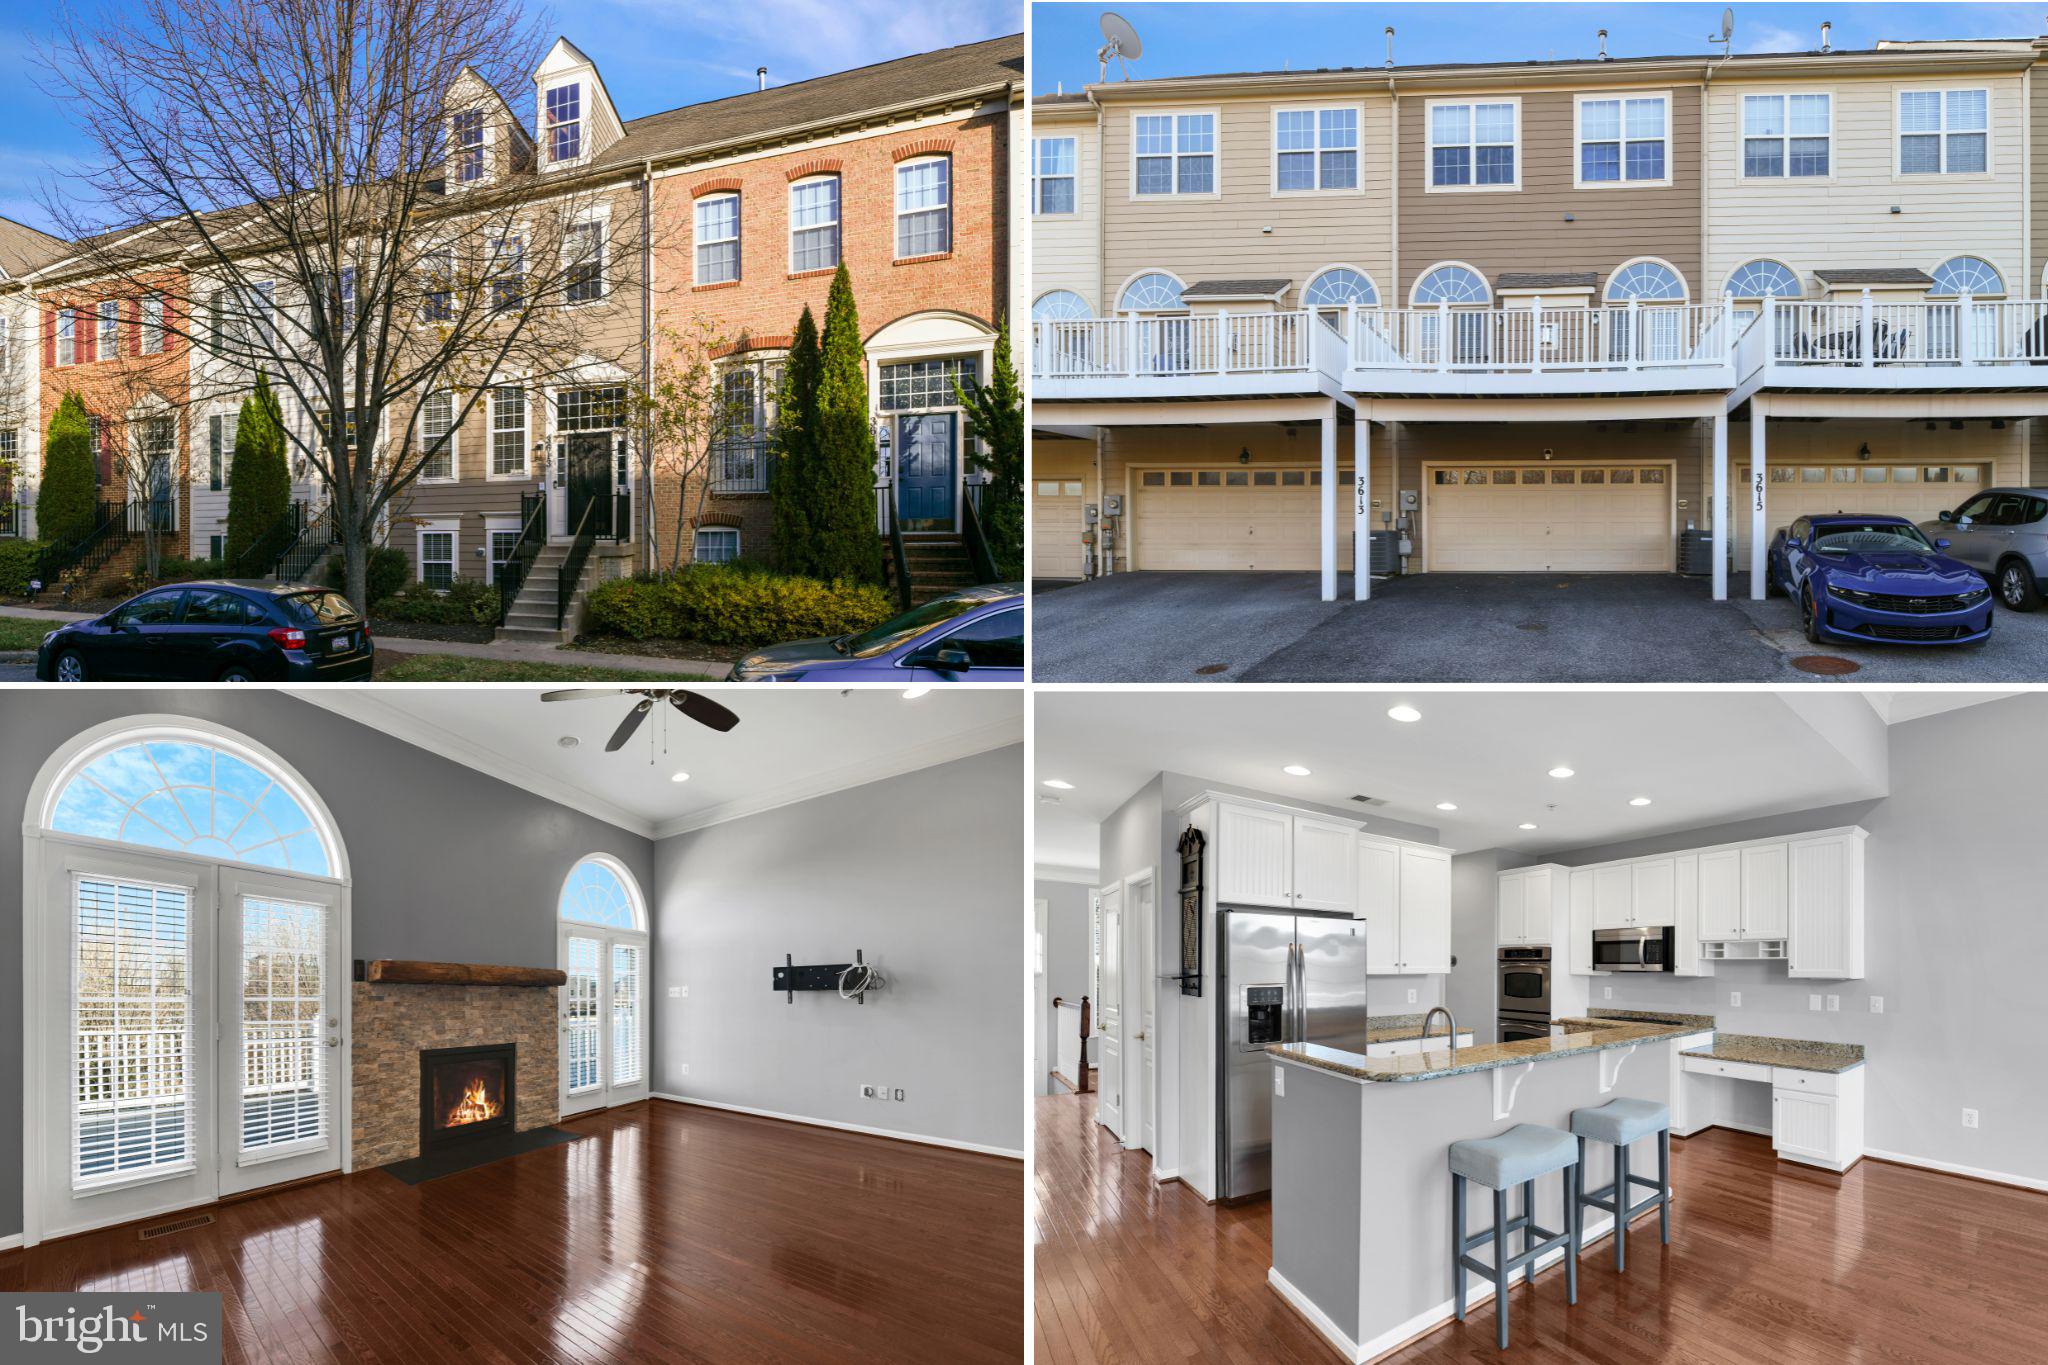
pixel 695 705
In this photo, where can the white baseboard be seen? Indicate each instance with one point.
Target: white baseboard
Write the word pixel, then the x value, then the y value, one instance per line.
pixel 1160 1177
pixel 10 1243
pixel 1317 1319
pixel 2025 1182
pixel 1013 1153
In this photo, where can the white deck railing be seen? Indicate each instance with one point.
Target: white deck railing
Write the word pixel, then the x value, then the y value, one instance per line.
pixel 1182 346
pixel 1866 333
pixel 1534 339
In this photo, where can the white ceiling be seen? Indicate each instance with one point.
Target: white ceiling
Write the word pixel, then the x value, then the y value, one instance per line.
pixel 791 743
pixel 1702 758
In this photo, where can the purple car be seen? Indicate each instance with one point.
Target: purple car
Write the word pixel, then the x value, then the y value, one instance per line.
pixel 1877 578
pixel 975 635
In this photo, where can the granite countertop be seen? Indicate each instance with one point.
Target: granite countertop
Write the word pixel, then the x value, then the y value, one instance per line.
pixel 1795 1053
pixel 1699 1023
pixel 1582 1035
pixel 1397 1028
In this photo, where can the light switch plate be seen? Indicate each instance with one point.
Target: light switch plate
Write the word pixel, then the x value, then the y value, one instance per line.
pixel 1735 999
pixel 1834 1003
pixel 1813 1002
pixel 675 992
pixel 1969 1118
pixel 1280 1080
pixel 1607 992
pixel 1877 1004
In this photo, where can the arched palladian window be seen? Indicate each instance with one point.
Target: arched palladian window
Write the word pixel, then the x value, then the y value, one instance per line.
pixel 600 892
pixel 1762 279
pixel 1471 339
pixel 1452 284
pixel 186 794
pixel 1649 281
pixel 1972 275
pixel 1060 305
pixel 603 943
pixel 1155 291
pixel 1335 289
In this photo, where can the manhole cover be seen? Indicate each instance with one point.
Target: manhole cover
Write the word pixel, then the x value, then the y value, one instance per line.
pixel 1213 668
pixel 1531 625
pixel 1827 665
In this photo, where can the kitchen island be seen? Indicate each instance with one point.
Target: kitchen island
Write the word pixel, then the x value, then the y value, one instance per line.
pixel 1361 1174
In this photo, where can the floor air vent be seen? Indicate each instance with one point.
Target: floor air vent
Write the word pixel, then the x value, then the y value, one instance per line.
pixel 181 1225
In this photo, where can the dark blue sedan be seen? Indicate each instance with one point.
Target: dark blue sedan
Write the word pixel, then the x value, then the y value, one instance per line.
pixel 1869 579
pixel 218 631
pixel 976 635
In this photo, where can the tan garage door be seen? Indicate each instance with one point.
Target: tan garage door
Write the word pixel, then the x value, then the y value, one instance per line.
pixel 1903 490
pixel 1220 518
pixel 1056 528
pixel 1548 518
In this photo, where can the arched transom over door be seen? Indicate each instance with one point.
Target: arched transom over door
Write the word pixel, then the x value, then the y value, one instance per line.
pixel 604 1014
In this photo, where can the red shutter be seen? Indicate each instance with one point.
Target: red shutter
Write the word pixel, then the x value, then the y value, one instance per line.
pixel 82 330
pixel 49 338
pixel 134 311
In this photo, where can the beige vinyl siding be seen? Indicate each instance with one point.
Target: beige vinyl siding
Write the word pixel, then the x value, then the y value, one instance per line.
pixel 1526 229
pixel 472 496
pixel 1063 246
pixel 1846 220
pixel 1223 236
pixel 2037 146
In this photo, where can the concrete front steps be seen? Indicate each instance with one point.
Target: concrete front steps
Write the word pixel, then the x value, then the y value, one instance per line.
pixel 938 565
pixel 532 617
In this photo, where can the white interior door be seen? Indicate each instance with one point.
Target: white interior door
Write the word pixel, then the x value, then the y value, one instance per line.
pixel 603 1010
pixel 1041 1006
pixel 280 1037
pixel 1109 1074
pixel 1144 1089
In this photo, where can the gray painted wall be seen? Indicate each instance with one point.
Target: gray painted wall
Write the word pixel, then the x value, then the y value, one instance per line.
pixel 449 864
pixel 923 872
pixel 1955 938
pixel 1066 961
pixel 1473 989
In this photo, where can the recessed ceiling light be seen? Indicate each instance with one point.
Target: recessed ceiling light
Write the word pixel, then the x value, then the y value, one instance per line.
pixel 1295 770
pixel 1525 825
pixel 1404 713
pixel 913 693
pixel 680 777
pixel 1446 805
pixel 568 742
pixel 1057 785
pixel 1560 771
pixel 1639 800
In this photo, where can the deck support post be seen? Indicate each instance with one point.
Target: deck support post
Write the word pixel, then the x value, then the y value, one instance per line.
pixel 1717 504
pixel 1329 506
pixel 1758 481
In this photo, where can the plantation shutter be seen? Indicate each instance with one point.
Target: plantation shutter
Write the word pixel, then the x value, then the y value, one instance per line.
pixel 285 1076
pixel 626 1068
pixel 134 1086
pixel 579 1009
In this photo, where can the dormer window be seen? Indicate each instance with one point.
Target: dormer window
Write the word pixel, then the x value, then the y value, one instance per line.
pixel 562 126
pixel 466 139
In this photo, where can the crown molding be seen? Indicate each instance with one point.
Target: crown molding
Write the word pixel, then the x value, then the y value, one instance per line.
pixel 1063 872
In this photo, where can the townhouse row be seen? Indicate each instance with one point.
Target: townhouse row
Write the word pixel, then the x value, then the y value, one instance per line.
pixel 711 225
pixel 1533 316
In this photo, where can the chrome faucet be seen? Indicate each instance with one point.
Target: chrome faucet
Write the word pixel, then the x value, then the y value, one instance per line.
pixel 1450 1020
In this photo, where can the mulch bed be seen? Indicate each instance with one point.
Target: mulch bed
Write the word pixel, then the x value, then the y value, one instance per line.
pixel 656 649
pixel 465 633
pixel 51 601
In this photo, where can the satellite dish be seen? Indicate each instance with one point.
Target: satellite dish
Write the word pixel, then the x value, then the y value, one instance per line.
pixel 1727 24
pixel 1122 44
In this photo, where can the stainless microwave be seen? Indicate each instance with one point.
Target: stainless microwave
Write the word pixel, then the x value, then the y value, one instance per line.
pixel 1646 949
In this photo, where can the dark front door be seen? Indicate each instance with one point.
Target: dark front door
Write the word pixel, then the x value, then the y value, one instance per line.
pixel 924 471
pixel 590 481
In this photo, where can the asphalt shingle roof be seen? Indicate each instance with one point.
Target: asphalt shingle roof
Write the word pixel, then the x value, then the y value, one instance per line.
pixel 1887 275
pixel 23 248
pixel 1548 279
pixel 1234 288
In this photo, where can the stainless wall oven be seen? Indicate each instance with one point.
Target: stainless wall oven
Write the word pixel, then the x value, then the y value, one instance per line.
pixel 1523 1002
pixel 1644 949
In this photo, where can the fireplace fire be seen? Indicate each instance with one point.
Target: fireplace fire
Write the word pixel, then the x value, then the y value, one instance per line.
pixel 466 1092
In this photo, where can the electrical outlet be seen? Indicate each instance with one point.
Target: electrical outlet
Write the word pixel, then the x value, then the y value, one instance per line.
pixel 867 1092
pixel 1607 992
pixel 1877 1004
pixel 1411 997
pixel 1969 1118
pixel 1280 1081
pixel 899 1092
pixel 1813 1002
pixel 1834 1003
pixel 1735 999
pixel 686 1068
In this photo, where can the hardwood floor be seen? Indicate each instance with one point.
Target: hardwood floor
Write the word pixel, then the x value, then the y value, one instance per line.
pixel 1767 1261
pixel 674 1234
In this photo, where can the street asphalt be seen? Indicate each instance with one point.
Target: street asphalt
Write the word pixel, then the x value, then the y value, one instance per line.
pixel 1561 628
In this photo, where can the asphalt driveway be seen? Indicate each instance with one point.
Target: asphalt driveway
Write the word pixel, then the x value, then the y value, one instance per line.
pixel 1565 628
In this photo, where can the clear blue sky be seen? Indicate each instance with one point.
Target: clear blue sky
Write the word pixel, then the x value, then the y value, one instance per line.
pixel 654 55
pixel 1193 39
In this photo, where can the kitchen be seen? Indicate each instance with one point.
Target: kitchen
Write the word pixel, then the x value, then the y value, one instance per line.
pixel 1768 930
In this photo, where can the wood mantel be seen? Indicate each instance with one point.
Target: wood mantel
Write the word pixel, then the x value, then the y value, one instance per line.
pixel 398 971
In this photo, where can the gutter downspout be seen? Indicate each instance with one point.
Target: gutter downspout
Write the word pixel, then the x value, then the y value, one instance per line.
pixel 1717 496
pixel 647 351
pixel 1108 310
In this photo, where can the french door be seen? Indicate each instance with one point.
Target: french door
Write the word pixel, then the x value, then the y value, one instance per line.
pixel 604 1018
pixel 191 1038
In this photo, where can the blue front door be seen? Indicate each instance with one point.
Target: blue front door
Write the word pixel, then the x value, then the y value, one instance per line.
pixel 924 471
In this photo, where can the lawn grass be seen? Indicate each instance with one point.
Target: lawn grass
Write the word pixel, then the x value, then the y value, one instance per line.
pixel 456 668
pixel 24 632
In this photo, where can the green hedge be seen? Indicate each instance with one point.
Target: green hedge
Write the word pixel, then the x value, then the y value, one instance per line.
pixel 389 571
pixel 18 564
pixel 467 602
pixel 722 604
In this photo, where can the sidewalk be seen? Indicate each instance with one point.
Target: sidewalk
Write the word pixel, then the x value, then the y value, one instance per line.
pixel 509 651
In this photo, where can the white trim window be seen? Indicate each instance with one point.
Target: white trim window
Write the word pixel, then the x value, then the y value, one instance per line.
pixel 717 218
pixel 1944 132
pixel 106 335
pixel 1623 140
pixel 501 535
pixel 1763 278
pixel 1060 305
pixel 1972 275
pixel 466 146
pixel 1315 149
pixel 508 432
pixel 508 273
pixel 1648 280
pixel 1475 144
pixel 583 249
pixel 1331 292
pixel 814 223
pixel 1055 176
pixel 437 285
pixel 220 449
pixel 924 207
pixel 1153 291
pixel 437 546
pixel 716 545
pixel 1173 154
pixel 152 334
pixel 562 123
pixel 437 423
pixel 1787 137
pixel 67 336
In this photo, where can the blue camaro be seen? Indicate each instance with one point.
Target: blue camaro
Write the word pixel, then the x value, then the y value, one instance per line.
pixel 976 635
pixel 1877 578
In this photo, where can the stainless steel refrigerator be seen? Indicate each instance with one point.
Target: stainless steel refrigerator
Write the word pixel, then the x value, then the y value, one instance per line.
pixel 1286 977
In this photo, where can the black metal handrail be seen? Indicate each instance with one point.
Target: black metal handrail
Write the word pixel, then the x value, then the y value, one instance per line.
pixel 977 539
pixel 90 551
pixel 896 554
pixel 622 518
pixel 262 554
pixel 572 567
pixel 316 540
pixel 532 535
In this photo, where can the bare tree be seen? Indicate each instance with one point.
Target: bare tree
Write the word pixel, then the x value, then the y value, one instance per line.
pixel 704 422
pixel 297 163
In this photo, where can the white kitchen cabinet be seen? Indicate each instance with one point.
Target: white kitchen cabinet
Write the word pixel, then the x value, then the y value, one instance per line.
pixel 1824 900
pixel 1817 1117
pixel 1765 904
pixel 1325 874
pixel 1653 893
pixel 1425 936
pixel 1532 905
pixel 1720 894
pixel 1579 950
pixel 1254 856
pixel 1685 941
pixel 1514 905
pixel 1379 904
pixel 1613 897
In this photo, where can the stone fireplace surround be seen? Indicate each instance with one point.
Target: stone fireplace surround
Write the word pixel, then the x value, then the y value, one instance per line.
pixel 393 1023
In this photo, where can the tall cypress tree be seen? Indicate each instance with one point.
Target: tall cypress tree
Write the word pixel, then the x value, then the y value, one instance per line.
pixel 995 419
pixel 259 484
pixel 66 502
pixel 843 540
pixel 796 427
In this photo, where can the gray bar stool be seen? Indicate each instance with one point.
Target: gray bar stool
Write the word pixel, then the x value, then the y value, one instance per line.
pixel 1618 1123
pixel 1516 1157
